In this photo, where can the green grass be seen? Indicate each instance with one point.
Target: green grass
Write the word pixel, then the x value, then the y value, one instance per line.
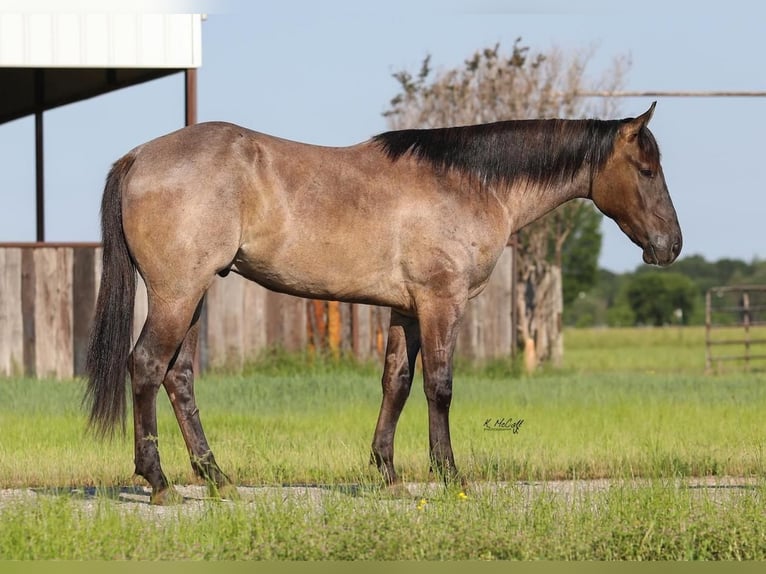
pixel 635 350
pixel 653 349
pixel 317 428
pixel 315 424
pixel 652 522
pixel 628 403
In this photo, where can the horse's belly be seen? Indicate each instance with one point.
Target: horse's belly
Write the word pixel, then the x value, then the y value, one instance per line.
pixel 321 276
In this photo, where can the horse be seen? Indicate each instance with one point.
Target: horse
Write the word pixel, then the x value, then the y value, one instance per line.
pixel 414 220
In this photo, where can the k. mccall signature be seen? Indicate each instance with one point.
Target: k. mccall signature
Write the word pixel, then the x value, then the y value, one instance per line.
pixel 503 424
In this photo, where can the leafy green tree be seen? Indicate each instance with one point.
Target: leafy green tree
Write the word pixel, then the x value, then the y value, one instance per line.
pixel 661 298
pixel 753 274
pixel 708 274
pixel 587 310
pixel 579 253
pixel 610 291
pixel 620 314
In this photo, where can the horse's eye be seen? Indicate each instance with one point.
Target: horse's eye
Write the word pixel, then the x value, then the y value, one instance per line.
pixel 648 173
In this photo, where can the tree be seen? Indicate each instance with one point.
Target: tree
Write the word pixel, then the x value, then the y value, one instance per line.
pixel 709 274
pixel 661 298
pixel 579 254
pixel 492 86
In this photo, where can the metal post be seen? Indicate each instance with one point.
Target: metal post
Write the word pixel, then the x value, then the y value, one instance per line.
pixel 201 355
pixel 191 96
pixel 39 160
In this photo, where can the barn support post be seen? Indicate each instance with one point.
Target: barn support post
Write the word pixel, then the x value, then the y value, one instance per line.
pixel 202 355
pixel 191 96
pixel 39 160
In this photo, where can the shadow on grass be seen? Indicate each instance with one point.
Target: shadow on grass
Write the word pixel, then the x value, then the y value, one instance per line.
pixel 121 493
pixel 722 487
pixel 196 493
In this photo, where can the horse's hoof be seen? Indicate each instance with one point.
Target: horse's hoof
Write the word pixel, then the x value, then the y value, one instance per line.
pixel 166 497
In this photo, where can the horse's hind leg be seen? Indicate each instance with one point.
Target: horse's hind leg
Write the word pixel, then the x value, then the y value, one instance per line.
pixel 156 349
pixel 401 351
pixel 179 384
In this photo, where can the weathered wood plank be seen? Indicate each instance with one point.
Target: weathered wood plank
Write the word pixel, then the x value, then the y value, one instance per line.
pixel 254 319
pixel 362 325
pixel 224 322
pixel 11 318
pixel 83 304
pixel 371 323
pixel 28 290
pixel 346 329
pixel 213 328
pixel 497 312
pixel 53 312
pixel 49 293
pixel 487 324
pixel 286 322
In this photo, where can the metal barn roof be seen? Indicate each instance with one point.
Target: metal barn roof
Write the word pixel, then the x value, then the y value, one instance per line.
pixel 51 59
pixel 48 60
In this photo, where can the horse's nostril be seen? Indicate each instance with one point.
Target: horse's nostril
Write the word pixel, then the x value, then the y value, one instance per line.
pixel 675 249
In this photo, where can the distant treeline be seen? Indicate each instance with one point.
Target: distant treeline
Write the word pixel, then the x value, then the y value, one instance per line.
pixel 652 296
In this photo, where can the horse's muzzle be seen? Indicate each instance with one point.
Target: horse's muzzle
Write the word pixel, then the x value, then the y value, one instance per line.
pixel 663 250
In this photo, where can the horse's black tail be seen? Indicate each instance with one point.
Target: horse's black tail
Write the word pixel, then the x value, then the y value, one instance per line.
pixel 110 336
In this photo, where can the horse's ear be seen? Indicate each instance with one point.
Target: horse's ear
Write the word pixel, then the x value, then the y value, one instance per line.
pixel 630 129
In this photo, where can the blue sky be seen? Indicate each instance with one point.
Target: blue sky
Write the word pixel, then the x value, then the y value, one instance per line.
pixel 320 72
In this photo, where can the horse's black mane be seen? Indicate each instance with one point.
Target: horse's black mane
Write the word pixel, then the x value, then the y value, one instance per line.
pixel 542 151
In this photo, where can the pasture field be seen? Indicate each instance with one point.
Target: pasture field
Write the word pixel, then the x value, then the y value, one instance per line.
pixel 630 406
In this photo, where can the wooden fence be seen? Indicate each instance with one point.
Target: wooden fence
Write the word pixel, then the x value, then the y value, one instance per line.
pixel 735 323
pixel 48 293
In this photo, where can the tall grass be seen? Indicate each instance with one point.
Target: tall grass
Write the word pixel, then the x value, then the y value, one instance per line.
pixel 653 349
pixel 650 522
pixel 317 427
pixel 627 404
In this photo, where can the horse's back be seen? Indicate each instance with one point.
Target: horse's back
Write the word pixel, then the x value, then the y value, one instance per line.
pixel 215 196
pixel 342 223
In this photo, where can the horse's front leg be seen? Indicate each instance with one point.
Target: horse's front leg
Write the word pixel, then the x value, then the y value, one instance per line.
pixel 439 323
pixel 401 352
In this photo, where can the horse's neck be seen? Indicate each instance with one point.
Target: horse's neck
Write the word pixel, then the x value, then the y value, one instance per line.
pixel 528 201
